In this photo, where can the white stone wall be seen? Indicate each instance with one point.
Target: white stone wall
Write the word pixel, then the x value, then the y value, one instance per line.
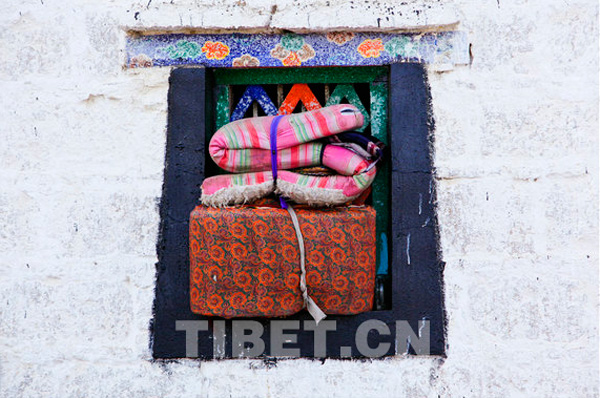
pixel 82 150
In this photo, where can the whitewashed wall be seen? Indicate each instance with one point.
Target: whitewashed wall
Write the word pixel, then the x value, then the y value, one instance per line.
pixel 82 148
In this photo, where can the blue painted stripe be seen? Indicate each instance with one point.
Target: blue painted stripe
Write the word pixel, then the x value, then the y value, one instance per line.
pixel 271 50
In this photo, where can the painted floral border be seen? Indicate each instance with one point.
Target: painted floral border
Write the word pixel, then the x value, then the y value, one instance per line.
pixel 270 50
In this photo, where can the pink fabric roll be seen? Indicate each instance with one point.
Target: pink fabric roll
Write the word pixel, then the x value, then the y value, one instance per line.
pixel 243 147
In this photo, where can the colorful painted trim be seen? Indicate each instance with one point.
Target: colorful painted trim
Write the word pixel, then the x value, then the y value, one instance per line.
pixel 271 50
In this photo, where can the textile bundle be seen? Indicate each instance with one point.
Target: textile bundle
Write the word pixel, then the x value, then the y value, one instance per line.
pixel 245 261
pixel 247 147
pixel 268 261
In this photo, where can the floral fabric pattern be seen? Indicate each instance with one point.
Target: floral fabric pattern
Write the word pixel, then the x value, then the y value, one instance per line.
pixel 245 261
pixel 340 38
pixel 401 47
pixel 292 50
pixel 140 61
pixel 245 60
pixel 183 49
pixel 215 50
pixel 371 48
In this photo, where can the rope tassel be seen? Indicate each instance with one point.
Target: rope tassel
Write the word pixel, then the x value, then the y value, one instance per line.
pixel 309 303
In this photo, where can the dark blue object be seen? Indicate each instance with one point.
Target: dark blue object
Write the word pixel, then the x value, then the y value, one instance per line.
pixel 253 93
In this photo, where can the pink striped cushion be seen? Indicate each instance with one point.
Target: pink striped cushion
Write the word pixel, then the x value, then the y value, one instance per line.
pixel 243 147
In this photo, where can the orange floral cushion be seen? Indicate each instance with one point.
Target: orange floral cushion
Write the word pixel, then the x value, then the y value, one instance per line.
pixel 245 261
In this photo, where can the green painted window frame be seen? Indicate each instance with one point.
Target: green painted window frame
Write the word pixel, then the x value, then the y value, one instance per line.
pixel 377 78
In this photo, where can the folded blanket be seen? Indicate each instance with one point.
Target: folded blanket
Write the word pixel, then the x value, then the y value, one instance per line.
pixel 244 147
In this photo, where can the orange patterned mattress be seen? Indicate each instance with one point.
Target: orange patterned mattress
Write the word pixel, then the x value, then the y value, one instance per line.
pixel 245 261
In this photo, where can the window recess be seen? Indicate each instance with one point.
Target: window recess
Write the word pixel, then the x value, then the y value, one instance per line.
pixel 396 100
pixel 241 93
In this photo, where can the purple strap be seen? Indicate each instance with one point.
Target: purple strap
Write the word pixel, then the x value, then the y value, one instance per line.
pixel 274 124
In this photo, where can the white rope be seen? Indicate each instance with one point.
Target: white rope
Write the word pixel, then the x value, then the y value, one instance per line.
pixel 309 303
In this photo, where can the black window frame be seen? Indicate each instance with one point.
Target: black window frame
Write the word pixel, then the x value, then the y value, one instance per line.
pixel 415 260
